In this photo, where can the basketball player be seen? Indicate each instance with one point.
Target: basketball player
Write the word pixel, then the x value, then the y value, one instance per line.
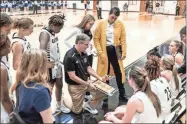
pixel 5 27
pixel 19 42
pixel 141 105
pixel 159 85
pixel 49 42
pixel 6 104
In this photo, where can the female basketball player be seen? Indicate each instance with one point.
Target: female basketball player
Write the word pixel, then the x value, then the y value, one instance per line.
pixel 5 27
pixel 6 104
pixel 169 72
pixel 19 42
pixel 142 107
pixel 49 42
pixel 159 85
pixel 176 50
pixel 5 23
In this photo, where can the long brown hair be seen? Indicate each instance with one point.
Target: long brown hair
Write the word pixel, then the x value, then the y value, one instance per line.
pixel 152 66
pixel 169 64
pixel 142 82
pixel 24 23
pixel 5 20
pixel 4 41
pixel 179 45
pixel 33 67
pixel 87 18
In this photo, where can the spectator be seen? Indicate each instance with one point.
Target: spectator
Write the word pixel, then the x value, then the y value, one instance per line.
pixel 157 5
pixel 35 7
pixel 177 9
pixel 125 7
pixel 99 9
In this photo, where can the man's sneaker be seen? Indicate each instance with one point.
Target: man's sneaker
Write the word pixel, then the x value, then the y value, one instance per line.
pixel 63 108
pixel 88 108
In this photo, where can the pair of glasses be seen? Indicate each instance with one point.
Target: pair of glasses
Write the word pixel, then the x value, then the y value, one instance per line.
pixel 85 44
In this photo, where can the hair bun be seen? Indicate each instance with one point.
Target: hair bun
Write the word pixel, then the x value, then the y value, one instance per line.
pixel 62 16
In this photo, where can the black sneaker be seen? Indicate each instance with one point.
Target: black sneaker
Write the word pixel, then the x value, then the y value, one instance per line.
pixel 105 100
pixel 123 98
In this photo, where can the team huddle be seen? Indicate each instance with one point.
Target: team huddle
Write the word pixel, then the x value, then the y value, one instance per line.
pixel 156 85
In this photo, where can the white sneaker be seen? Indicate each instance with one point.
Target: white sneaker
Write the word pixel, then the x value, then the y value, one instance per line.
pixel 63 108
pixel 88 108
pixel 88 97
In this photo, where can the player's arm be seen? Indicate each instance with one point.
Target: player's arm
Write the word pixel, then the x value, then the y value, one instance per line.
pixel 17 50
pixel 44 40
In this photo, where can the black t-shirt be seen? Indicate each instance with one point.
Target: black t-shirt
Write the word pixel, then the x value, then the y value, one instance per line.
pixel 73 61
pixel 89 33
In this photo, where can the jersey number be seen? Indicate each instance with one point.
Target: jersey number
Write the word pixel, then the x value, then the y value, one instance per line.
pixel 58 48
pixel 168 92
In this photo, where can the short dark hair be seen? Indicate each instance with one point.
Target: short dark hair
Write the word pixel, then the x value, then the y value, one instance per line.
pixel 154 52
pixel 57 20
pixel 115 10
pixel 183 30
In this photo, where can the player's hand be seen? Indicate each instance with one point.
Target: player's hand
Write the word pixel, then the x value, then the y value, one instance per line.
pixel 51 64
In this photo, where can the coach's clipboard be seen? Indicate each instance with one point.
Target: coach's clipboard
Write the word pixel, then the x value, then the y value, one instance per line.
pixel 104 87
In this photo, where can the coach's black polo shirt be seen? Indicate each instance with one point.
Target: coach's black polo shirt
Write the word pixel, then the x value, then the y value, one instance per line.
pixel 73 61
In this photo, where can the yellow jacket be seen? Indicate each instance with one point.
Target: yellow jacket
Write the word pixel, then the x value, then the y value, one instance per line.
pixel 100 45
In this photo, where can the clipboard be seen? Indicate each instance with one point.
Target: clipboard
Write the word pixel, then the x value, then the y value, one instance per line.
pixel 105 88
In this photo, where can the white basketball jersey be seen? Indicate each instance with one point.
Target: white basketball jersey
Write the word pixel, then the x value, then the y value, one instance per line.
pixel 23 41
pixel 149 114
pixel 53 52
pixel 8 71
pixel 4 114
pixel 161 88
pixel 5 60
